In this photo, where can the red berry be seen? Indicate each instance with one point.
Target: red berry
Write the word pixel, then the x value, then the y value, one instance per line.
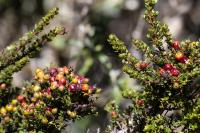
pixel 62 81
pixel 72 88
pixel 168 67
pixel 184 60
pixel 176 45
pixel 48 108
pixel 52 79
pixel 140 102
pixel 24 104
pixel 143 65
pixel 46 91
pixel 53 71
pixel 20 98
pixel 114 114
pixel 65 70
pixel 175 72
pixel 179 56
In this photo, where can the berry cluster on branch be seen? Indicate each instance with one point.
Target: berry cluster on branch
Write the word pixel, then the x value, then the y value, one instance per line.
pixel 169 99
pixel 55 98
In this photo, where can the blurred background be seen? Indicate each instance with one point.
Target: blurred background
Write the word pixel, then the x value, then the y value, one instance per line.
pixel 88 23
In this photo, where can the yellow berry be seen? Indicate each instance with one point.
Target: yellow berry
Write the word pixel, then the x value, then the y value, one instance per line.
pixel 54 85
pixel 14 109
pixel 38 70
pixel 46 76
pixel 98 90
pixel 61 88
pixel 45 121
pixel 28 112
pixel 69 112
pixel 48 113
pixel 36 88
pixel 40 75
pixel 33 99
pixel 3 111
pixel 9 107
pixel 7 119
pixel 48 96
pixel 54 110
pixel 14 102
pixel 41 80
pixel 37 95
pixel 37 106
pixel 74 80
pixel 73 114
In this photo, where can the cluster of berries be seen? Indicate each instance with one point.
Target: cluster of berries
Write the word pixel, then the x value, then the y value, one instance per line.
pixel 169 68
pixel 51 96
pixel 179 56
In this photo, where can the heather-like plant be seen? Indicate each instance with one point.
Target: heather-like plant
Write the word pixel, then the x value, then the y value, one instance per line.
pixel 169 99
pixel 53 99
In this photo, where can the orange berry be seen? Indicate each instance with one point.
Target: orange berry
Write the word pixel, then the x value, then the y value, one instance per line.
pixel 62 81
pixel 85 87
pixel 59 76
pixel 20 98
pixel 179 56
pixel 65 70
pixel 3 86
